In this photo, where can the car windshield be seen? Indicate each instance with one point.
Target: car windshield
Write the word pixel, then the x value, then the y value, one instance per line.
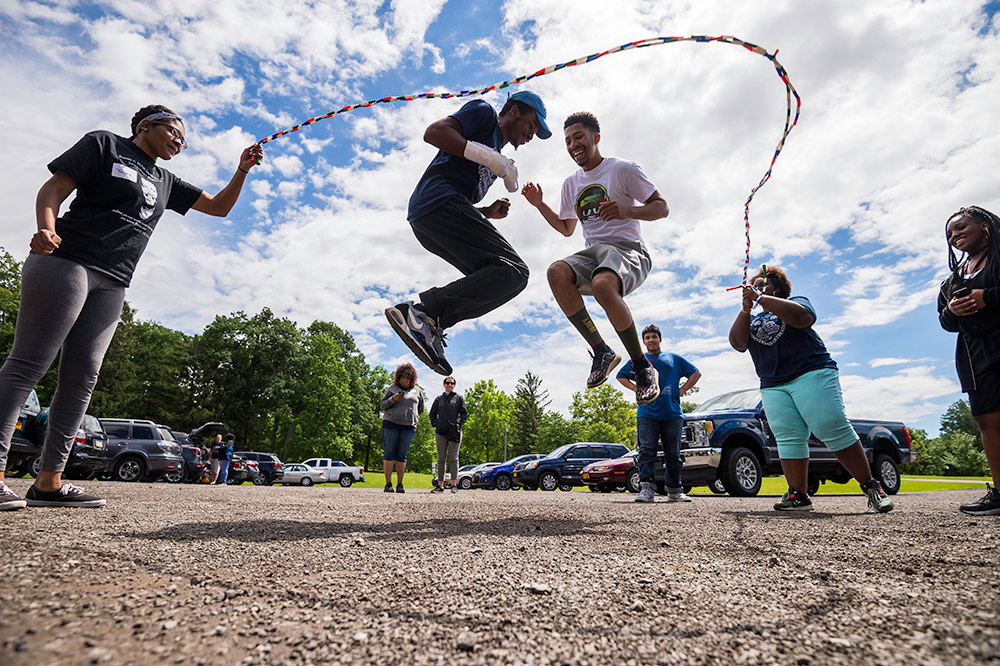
pixel 558 453
pixel 737 400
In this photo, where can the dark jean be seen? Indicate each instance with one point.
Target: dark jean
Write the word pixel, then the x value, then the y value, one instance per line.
pixel 668 433
pixel 223 471
pixel 397 442
pixel 494 274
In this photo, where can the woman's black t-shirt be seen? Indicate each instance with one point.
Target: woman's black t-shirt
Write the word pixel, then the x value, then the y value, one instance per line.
pixel 120 196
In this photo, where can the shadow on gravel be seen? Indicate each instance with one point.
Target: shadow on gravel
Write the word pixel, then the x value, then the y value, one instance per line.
pixel 262 531
pixel 785 515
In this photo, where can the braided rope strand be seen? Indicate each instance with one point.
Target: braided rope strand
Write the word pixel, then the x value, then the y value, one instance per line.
pixel 790 93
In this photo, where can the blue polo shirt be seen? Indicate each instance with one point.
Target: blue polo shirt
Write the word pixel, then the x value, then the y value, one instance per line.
pixel 671 368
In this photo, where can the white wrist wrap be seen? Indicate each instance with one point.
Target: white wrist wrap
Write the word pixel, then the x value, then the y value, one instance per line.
pixel 502 167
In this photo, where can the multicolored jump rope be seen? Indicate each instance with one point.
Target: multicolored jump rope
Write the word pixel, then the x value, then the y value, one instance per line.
pixel 790 92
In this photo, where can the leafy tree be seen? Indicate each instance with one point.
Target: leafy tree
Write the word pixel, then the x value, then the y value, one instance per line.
pixel 489 415
pixel 10 294
pixel 958 418
pixel 556 430
pixel 530 401
pixel 602 432
pixel 688 407
pixel 605 404
pixel 422 449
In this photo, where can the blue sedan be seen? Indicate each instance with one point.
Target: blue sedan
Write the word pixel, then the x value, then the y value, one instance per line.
pixel 499 477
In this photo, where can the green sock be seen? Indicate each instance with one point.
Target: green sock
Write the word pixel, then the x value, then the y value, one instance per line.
pixel 630 338
pixel 583 323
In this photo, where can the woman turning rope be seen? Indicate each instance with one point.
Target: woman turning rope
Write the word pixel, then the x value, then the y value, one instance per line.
pixel 73 282
pixel 969 304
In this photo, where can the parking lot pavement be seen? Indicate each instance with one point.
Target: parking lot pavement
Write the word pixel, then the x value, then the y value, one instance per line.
pixel 260 575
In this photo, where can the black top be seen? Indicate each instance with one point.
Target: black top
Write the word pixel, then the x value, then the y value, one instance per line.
pixel 781 352
pixel 120 196
pixel 448 410
pixel 977 350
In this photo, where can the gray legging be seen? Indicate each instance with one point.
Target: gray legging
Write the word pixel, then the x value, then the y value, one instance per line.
pixel 451 448
pixel 63 304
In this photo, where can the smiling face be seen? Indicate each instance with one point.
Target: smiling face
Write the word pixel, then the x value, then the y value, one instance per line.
pixel 966 234
pixel 524 126
pixel 581 144
pixel 161 138
pixel 652 341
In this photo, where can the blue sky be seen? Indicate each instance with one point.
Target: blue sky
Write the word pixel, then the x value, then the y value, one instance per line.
pixel 897 131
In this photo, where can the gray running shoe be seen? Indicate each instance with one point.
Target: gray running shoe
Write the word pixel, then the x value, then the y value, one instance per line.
pixel 647 493
pixel 602 365
pixel 454 488
pixel 989 505
pixel 647 385
pixel 794 501
pixel 68 496
pixel 877 498
pixel 678 497
pixel 437 489
pixel 420 334
pixel 9 500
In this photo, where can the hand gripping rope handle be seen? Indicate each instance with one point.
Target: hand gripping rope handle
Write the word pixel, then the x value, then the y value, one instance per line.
pixel 790 92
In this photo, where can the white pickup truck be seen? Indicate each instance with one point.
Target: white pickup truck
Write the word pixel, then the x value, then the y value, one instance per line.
pixel 337 471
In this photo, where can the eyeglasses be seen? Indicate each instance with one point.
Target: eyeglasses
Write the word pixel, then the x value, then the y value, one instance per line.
pixel 174 132
pixel 449 383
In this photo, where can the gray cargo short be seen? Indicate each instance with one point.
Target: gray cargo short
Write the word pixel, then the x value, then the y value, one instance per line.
pixel 627 259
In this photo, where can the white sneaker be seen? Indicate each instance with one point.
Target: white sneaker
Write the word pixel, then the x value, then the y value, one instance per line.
pixel 9 500
pixel 646 492
pixel 677 497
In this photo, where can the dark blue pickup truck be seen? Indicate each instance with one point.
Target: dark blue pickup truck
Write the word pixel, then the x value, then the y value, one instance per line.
pixel 726 442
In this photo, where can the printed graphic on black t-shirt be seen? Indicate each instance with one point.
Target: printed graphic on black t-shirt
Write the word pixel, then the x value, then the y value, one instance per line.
pixel 767 329
pixel 588 202
pixel 120 196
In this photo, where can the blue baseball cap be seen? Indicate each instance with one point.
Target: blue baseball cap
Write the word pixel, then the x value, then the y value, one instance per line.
pixel 535 102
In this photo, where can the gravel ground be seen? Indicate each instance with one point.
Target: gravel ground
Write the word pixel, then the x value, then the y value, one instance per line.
pixel 262 575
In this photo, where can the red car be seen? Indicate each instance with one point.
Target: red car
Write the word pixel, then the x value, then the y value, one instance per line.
pixel 608 475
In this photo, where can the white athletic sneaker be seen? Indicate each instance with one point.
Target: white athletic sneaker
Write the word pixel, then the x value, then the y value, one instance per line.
pixel 9 500
pixel 677 497
pixel 646 492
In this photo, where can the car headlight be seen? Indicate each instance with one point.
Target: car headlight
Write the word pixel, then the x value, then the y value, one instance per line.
pixel 600 468
pixel 531 465
pixel 697 434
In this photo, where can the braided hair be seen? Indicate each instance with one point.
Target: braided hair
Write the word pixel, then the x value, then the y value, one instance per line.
pixel 955 260
pixel 143 113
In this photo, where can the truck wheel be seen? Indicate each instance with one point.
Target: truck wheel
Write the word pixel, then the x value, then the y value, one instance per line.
pixel 260 480
pixel 717 488
pixel 565 487
pixel 346 480
pixel 130 469
pixel 503 482
pixel 887 472
pixel 306 481
pixel 740 472
pixel 176 476
pixel 548 481
pixel 813 486
pixel 465 483
pixel 632 481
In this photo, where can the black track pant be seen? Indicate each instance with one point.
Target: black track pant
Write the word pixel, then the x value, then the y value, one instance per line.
pixel 494 274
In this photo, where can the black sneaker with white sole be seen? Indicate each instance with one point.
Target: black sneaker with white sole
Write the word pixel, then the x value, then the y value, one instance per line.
pixel 9 501
pixel 68 496
pixel 419 332
pixel 989 505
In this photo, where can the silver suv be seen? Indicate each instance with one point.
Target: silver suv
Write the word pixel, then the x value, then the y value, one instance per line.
pixel 140 450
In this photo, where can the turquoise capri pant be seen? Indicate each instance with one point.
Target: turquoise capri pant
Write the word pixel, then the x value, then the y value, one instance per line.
pixel 811 402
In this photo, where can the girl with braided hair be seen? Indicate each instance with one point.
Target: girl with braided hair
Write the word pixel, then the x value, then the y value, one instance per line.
pixel 969 304
pixel 73 281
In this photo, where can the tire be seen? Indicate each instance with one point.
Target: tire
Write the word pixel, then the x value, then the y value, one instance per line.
pixel 607 489
pixel 594 489
pixel 176 476
pixel 717 488
pixel 548 481
pixel 887 472
pixel 503 482
pixel 346 480
pixel 565 487
pixel 465 483
pixel 741 472
pixel 35 466
pixel 306 481
pixel 260 480
pixel 130 470
pixel 687 488
pixel 234 482
pixel 632 481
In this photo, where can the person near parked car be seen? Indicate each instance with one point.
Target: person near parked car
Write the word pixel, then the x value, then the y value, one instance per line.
pixel 660 421
pixel 447 414
pixel 216 455
pixel 402 405
pixel 225 458
pixel 799 387
pixel 969 304
pixel 73 281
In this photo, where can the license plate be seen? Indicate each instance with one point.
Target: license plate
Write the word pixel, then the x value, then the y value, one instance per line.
pixel 19 424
